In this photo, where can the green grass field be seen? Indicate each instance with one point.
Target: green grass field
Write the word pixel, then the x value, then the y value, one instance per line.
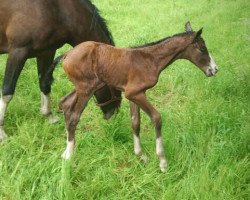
pixel 206 121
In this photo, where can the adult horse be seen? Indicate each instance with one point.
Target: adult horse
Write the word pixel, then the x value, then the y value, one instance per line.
pixel 37 29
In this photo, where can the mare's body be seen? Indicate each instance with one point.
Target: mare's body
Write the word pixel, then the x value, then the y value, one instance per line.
pixel 37 29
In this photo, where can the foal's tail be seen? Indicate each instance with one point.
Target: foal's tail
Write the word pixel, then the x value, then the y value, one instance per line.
pixel 103 95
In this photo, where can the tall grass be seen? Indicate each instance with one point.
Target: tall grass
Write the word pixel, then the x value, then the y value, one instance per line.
pixel 206 120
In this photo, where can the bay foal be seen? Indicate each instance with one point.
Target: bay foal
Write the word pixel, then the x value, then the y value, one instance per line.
pixel 91 65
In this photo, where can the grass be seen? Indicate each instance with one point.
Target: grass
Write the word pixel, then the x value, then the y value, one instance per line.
pixel 206 120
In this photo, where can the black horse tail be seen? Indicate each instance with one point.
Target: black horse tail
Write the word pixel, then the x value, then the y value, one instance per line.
pixel 48 79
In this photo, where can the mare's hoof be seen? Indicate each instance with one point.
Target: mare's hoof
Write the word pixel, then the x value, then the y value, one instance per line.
pixel 163 165
pixel 53 119
pixel 3 135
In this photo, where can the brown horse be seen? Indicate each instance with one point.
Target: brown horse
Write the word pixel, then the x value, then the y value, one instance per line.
pixel 31 28
pixel 91 65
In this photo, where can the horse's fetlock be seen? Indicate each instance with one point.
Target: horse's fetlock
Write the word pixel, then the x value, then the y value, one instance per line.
pixel 7 98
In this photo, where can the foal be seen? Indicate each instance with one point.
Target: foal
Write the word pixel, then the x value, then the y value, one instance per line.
pixel 91 65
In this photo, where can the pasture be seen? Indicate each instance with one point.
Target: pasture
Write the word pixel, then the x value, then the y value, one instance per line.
pixel 206 121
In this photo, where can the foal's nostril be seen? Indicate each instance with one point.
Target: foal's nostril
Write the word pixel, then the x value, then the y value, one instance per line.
pixel 216 70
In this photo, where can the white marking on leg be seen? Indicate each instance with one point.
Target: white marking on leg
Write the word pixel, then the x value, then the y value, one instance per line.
pixel 160 153
pixel 137 149
pixel 3 106
pixel 2 133
pixel 45 104
pixel 46 108
pixel 137 145
pixel 69 150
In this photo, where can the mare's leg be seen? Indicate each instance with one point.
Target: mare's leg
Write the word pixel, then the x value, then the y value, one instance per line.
pixel 135 119
pixel 15 63
pixel 44 61
pixel 142 102
pixel 72 105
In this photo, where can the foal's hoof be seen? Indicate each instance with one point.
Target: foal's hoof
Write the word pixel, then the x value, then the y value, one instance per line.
pixel 163 165
pixel 66 155
pixel 53 119
pixel 144 158
pixel 3 135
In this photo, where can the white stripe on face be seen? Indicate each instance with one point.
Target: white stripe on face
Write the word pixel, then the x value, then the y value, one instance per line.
pixel 211 69
pixel 212 66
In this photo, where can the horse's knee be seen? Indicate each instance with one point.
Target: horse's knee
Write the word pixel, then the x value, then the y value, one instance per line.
pixel 129 95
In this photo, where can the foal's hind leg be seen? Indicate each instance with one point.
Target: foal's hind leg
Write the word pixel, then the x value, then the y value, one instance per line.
pixel 72 105
pixel 15 63
pixel 135 119
pixel 142 102
pixel 44 61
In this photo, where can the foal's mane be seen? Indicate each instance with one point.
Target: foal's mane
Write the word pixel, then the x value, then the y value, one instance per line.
pixel 163 39
pixel 99 19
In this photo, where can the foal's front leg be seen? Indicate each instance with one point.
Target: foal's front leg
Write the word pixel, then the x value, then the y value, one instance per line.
pixel 72 105
pixel 135 121
pixel 142 102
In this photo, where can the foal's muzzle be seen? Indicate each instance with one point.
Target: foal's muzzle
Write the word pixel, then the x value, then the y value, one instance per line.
pixel 212 68
pixel 211 72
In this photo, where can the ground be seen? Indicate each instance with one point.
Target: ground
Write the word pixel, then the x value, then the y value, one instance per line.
pixel 206 121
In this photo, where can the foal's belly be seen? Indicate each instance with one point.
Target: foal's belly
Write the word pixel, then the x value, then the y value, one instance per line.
pixel 113 76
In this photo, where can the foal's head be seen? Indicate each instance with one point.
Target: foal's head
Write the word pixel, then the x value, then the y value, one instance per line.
pixel 197 53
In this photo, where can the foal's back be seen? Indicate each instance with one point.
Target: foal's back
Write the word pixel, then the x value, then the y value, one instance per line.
pixel 114 66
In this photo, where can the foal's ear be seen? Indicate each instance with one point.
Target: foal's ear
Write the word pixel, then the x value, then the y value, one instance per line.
pixel 188 27
pixel 197 35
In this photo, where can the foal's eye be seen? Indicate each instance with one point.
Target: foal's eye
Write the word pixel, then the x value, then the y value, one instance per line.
pixel 203 49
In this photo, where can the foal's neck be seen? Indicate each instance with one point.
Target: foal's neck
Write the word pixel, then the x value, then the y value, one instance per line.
pixel 169 50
